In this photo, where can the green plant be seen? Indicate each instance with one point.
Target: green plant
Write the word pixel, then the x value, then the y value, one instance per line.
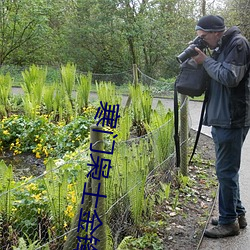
pixel 30 208
pixel 146 101
pixel 5 90
pixel 83 91
pixel 6 196
pixel 29 245
pixel 23 134
pixel 125 123
pixel 64 183
pixel 165 190
pixel 141 103
pixel 128 176
pixel 59 100
pixel 34 81
pixel 136 186
pixel 43 137
pixel 147 241
pixel 176 199
pixel 106 92
pixel 185 183
pixel 161 132
pixel 48 98
pixel 56 187
pixel 62 105
pixel 68 74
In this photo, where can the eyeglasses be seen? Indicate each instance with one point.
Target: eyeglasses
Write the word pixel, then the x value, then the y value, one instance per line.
pixel 203 36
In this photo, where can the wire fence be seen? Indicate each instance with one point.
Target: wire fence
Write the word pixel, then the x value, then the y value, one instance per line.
pixel 44 212
pixel 160 87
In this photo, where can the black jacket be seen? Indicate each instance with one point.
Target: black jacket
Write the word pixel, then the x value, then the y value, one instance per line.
pixel 229 90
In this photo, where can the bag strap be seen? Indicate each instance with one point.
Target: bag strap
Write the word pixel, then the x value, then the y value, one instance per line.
pixel 176 126
pixel 199 127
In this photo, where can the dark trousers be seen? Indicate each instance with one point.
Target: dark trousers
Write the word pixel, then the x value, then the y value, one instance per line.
pixel 228 145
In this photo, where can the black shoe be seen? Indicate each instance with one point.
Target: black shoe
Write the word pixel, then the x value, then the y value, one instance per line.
pixel 241 219
pixel 221 231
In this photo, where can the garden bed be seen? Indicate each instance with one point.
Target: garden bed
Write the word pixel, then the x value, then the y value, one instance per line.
pixel 177 221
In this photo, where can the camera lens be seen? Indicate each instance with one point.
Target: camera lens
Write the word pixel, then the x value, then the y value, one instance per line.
pixel 190 51
pixel 187 53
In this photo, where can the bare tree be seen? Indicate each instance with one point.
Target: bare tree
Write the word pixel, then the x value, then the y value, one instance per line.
pixel 19 23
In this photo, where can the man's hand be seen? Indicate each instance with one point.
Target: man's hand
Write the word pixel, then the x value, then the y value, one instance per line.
pixel 200 58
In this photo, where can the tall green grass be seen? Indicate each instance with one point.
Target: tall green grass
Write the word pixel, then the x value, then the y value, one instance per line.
pixel 5 91
pixel 33 85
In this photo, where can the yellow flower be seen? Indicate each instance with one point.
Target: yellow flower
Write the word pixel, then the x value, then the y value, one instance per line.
pixel 69 211
pixel 14 209
pixel 38 155
pixel 6 132
pixel 31 187
pixel 71 194
pixel 17 152
pixel 26 178
pixel 37 196
pixel 45 151
pixel 73 199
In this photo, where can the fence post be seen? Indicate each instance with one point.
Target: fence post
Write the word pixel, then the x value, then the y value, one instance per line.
pixel 135 74
pixel 92 187
pixel 72 240
pixel 100 233
pixel 184 135
pixel 135 82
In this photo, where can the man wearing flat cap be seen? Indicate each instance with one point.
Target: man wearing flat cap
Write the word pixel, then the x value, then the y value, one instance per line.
pixel 228 112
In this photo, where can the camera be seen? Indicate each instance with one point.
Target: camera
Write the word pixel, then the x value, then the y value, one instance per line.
pixel 190 51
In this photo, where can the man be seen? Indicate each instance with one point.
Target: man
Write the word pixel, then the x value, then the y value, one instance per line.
pixel 228 112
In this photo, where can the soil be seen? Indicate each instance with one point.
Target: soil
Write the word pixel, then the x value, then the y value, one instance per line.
pixel 24 164
pixel 186 223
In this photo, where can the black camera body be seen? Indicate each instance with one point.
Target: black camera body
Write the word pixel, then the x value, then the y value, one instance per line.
pixel 190 51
